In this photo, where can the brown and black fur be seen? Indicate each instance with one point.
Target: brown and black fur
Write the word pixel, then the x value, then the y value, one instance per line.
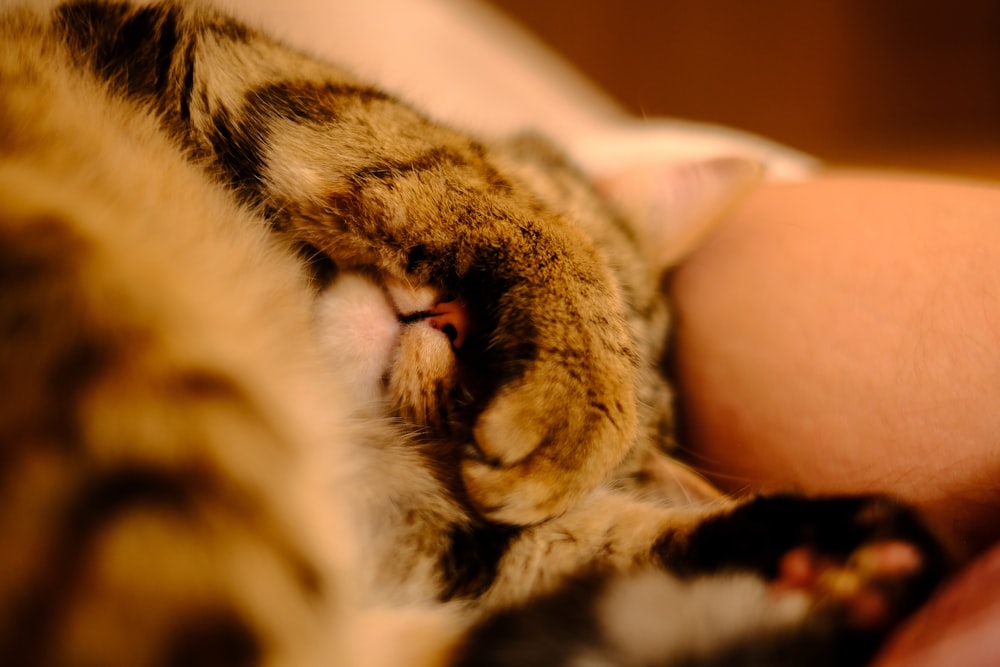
pixel 335 164
pixel 186 480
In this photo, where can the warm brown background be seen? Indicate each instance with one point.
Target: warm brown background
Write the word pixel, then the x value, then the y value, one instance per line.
pixel 913 83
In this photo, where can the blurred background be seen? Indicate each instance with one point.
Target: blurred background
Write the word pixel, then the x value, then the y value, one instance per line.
pixel 911 83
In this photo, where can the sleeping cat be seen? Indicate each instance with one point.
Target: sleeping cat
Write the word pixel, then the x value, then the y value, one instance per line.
pixel 294 375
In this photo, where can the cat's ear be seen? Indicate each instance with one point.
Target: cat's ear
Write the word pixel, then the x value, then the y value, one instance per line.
pixel 675 206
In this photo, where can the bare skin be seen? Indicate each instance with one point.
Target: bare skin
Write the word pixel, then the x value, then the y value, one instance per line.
pixel 843 335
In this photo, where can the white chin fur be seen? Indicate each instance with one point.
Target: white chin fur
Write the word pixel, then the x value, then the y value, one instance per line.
pixel 358 329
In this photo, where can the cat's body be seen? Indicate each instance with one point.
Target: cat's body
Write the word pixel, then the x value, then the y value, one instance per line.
pixel 193 475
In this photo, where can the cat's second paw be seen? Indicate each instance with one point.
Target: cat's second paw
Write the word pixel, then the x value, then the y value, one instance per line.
pixel 866 589
pixel 863 563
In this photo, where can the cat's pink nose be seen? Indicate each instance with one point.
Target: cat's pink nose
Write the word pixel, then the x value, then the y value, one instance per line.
pixel 452 319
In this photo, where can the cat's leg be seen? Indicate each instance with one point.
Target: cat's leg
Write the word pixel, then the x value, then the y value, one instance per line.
pixel 773 580
pixel 868 558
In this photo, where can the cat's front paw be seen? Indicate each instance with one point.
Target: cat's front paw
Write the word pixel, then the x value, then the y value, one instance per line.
pixel 544 441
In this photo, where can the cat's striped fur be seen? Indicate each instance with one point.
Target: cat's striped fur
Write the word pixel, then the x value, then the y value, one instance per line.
pixel 187 481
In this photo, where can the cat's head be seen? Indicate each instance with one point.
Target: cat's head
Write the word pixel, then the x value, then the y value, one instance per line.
pixel 411 351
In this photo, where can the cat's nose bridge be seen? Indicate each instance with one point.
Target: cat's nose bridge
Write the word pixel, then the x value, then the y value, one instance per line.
pixel 426 304
pixel 452 319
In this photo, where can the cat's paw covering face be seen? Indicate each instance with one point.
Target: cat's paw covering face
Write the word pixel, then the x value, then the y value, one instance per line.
pixel 553 410
pixel 399 346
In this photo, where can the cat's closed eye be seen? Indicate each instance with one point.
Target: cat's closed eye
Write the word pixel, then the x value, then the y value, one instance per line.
pixel 320 267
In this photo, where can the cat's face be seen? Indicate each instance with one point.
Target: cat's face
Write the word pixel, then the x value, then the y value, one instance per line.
pixel 411 351
pixel 420 354
pixel 398 346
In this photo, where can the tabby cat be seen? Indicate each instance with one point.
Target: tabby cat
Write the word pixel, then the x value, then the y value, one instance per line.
pixel 293 375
